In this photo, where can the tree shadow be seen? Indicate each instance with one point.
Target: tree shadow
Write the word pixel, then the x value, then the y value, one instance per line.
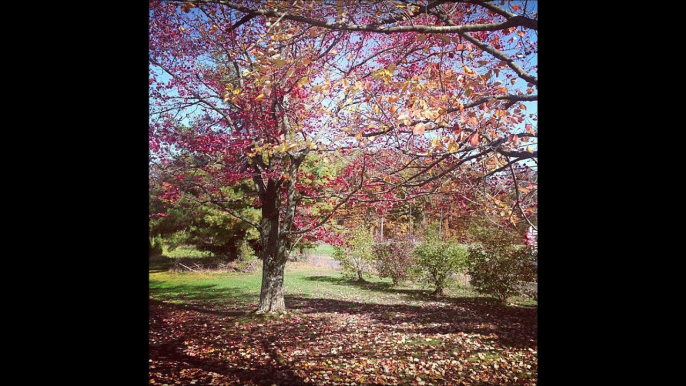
pixel 198 336
pixel 182 349
pixel 159 263
pixel 515 326
pixel 378 287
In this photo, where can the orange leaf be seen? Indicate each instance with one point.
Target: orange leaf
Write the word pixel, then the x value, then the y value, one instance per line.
pixel 474 139
pixel 468 71
pixel 419 129
pixel 187 7
pixel 460 47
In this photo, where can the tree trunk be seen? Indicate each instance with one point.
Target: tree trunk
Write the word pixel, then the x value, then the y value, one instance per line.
pixel 271 295
pixel 438 292
pixel 439 281
pixel 274 253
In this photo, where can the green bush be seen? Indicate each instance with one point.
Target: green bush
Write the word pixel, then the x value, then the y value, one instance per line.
pixel 247 261
pixel 393 259
pixel 155 246
pixel 356 256
pixel 436 260
pixel 499 265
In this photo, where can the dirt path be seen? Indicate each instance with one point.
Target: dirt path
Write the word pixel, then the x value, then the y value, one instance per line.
pixel 323 261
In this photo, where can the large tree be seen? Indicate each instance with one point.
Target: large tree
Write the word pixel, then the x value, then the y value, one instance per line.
pixel 401 96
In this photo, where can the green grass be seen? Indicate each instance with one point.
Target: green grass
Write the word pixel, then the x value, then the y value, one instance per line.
pixel 184 251
pixel 300 280
pixel 323 249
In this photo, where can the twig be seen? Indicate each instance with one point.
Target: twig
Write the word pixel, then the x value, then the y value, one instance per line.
pixel 187 267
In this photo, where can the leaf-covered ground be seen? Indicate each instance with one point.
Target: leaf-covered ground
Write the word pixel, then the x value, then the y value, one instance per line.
pixel 203 332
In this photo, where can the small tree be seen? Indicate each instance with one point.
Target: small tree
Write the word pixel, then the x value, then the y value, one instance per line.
pixel 356 254
pixel 438 257
pixel 393 259
pixel 498 265
pixel 438 260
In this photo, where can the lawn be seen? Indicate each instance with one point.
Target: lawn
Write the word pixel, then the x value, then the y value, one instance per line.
pixel 337 332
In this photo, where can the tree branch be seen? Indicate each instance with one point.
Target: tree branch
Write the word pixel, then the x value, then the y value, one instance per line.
pixel 374 27
pixel 335 208
pixel 198 97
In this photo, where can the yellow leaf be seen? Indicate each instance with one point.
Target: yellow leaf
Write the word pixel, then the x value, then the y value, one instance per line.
pixel 358 136
pixel 436 143
pixel 259 97
pixel 279 63
pixel 529 150
pixel 304 81
pixel 453 147
pixel 237 91
pixel 393 109
pixel 469 72
pixel 391 68
pixel 213 29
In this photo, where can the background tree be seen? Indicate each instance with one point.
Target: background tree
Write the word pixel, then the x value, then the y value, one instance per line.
pixel 179 219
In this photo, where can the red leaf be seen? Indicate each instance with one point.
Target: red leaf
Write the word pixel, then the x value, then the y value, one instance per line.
pixel 474 139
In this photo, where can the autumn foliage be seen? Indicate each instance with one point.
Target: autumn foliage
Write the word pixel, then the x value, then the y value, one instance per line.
pixel 317 105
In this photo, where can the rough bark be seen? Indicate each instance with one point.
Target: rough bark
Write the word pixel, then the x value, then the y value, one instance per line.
pixel 271 295
pixel 274 252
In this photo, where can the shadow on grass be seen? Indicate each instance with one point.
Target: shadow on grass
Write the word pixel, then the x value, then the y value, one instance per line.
pixel 379 287
pixel 467 315
pixel 159 263
pixel 200 293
